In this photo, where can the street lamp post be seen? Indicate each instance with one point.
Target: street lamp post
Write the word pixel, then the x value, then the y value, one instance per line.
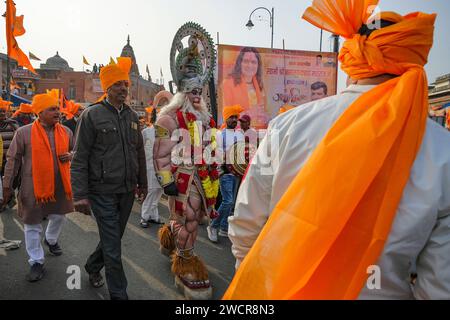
pixel 250 24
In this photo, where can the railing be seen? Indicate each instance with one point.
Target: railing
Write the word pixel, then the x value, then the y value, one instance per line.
pixel 446 76
pixel 439 89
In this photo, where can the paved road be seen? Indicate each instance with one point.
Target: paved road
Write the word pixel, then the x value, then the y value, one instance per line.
pixel 148 272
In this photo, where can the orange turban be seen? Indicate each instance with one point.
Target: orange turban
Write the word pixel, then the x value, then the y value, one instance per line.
pixel 71 110
pixel 319 244
pixel 285 108
pixel 5 105
pixel 24 108
pixel 231 111
pixel 115 72
pixel 45 100
pixel 149 110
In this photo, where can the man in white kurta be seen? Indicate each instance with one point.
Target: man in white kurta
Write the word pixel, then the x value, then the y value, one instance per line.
pixel 149 213
pixel 419 241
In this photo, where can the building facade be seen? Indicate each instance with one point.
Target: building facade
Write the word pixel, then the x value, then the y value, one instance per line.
pixel 80 86
pixel 439 100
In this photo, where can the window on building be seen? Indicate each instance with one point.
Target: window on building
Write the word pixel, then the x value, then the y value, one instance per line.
pixel 72 92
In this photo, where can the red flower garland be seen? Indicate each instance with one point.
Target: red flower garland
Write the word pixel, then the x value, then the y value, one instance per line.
pixel 204 171
pixel 191 117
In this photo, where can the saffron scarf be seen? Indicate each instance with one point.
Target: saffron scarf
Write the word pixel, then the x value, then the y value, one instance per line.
pixel 42 162
pixel 333 221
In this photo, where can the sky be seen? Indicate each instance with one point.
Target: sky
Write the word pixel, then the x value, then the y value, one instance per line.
pixel 98 29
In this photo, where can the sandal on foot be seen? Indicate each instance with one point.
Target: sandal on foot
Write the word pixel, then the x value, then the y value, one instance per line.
pixel 96 280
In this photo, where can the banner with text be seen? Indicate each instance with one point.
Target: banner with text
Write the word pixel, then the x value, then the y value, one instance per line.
pixel 265 81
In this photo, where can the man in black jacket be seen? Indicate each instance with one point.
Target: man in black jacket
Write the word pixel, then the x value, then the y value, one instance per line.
pixel 108 168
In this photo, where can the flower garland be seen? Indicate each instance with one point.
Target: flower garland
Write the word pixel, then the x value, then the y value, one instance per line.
pixel 209 175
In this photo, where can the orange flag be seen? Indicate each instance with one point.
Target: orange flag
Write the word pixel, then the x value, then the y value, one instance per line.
pixel 19 30
pixel 14 28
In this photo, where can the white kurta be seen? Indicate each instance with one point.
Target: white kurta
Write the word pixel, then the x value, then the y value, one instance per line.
pixel 420 237
pixel 150 205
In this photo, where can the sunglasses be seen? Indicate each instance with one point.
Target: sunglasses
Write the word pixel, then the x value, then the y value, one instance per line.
pixel 197 92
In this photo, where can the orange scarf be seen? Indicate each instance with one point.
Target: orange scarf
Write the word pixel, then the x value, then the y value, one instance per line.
pixel 333 221
pixel 238 94
pixel 42 162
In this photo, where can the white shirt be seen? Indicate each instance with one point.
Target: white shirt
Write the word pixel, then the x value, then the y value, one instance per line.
pixel 419 240
pixel 230 136
pixel 148 135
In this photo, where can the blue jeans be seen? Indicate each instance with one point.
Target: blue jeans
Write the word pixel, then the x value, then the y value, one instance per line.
pixel 228 186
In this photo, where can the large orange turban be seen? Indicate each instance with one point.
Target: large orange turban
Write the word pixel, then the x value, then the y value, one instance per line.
pixel 230 111
pixel 45 100
pixel 319 244
pixel 115 72
pixel 24 108
pixel 5 105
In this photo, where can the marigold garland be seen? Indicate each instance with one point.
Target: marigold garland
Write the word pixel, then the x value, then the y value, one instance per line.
pixel 209 175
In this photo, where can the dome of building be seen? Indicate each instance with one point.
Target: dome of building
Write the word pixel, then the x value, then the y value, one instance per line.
pixel 56 63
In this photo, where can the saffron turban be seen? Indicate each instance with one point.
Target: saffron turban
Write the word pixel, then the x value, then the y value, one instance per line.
pixel 115 72
pixel 24 108
pixel 285 108
pixel 319 244
pixel 45 100
pixel 230 111
pixel 5 105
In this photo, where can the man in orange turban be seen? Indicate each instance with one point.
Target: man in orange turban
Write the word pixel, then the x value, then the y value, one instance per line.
pixel 8 127
pixel 40 154
pixel 24 115
pixel 108 170
pixel 229 180
pixel 353 198
pixel 149 209
pixel 230 111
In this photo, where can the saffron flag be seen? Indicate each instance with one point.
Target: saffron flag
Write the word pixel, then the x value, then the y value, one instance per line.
pixel 32 56
pixel 14 28
pixel 63 106
pixel 85 61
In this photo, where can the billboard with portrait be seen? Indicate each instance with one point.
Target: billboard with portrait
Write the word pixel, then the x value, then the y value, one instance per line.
pixel 264 80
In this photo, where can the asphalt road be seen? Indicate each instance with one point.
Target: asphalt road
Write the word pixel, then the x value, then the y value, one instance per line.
pixel 147 271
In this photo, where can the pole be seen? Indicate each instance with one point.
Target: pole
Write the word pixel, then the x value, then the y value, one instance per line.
pixel 271 25
pixel 321 36
pixel 212 97
pixel 8 80
pixel 9 45
pixel 284 65
pixel 335 43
